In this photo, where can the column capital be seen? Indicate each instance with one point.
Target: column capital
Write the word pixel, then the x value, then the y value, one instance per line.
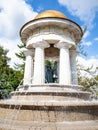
pixel 42 44
pixel 62 44
pixel 28 52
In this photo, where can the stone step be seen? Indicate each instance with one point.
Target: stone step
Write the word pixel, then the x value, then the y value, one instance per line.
pixel 49 111
pixel 49 86
pixel 71 125
pixel 51 95
pixel 50 92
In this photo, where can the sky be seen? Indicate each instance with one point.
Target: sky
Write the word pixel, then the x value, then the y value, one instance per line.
pixel 15 13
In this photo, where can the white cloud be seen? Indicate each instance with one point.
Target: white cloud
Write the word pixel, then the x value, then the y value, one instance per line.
pixel 13 14
pixel 86 34
pixel 93 61
pixel 96 39
pixel 40 8
pixel 87 43
pixel 84 42
pixel 85 10
pixel 12 46
pixel 88 62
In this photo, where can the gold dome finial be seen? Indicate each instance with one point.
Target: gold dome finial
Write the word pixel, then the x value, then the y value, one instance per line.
pixel 50 13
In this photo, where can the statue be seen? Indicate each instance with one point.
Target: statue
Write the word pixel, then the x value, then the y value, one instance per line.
pixel 48 73
pixel 51 75
pixel 55 73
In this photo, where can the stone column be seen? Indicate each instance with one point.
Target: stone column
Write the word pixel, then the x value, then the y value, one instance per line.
pixel 74 77
pixel 65 71
pixel 39 67
pixel 28 73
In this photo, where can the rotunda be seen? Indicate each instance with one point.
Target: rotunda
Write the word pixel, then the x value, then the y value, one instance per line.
pixel 38 104
pixel 50 35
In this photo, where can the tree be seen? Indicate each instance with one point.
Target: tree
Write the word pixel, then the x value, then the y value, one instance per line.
pixel 20 55
pixel 90 81
pixel 88 78
pixel 9 78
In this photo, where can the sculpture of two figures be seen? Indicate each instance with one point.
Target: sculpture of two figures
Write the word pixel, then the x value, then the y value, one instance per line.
pixel 51 74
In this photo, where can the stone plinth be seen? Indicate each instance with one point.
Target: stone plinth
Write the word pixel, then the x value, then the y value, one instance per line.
pixel 40 107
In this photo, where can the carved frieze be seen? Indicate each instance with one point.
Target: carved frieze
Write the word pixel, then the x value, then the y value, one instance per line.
pixel 53 29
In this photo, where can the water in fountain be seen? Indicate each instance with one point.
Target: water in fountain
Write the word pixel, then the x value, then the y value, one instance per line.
pixel 14 113
pixel 10 113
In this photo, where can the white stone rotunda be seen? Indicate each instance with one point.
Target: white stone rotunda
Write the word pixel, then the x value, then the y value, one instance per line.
pixel 37 105
pixel 50 35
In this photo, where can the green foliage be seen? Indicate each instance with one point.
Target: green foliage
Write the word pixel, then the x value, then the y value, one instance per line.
pixel 81 49
pixel 51 62
pixel 9 78
pixel 3 59
pixel 90 80
pixel 20 55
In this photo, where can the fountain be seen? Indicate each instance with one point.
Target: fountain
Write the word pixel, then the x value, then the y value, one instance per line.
pixel 40 104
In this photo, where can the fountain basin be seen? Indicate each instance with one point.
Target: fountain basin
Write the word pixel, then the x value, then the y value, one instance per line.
pixel 51 92
pixel 50 110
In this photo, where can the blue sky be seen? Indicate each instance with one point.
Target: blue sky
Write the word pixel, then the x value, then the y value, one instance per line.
pixel 14 13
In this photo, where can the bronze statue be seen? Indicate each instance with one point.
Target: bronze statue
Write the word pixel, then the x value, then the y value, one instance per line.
pixel 51 75
pixel 55 73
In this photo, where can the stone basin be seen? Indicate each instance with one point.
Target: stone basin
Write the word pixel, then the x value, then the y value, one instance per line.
pixel 55 109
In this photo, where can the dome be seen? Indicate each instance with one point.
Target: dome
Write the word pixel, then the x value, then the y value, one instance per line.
pixel 50 13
